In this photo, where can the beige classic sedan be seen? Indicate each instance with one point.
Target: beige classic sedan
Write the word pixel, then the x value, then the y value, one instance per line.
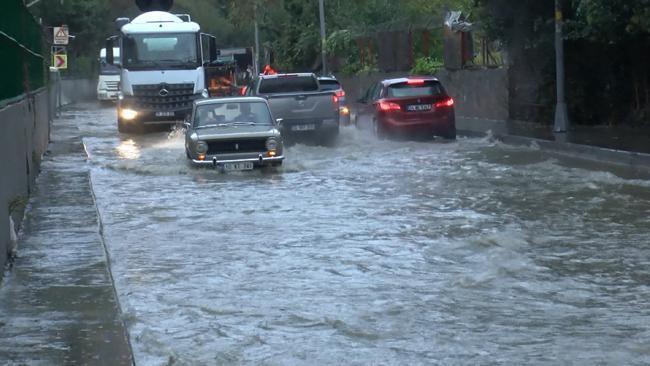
pixel 233 134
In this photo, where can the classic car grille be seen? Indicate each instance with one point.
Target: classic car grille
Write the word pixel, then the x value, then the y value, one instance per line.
pixel 112 85
pixel 178 96
pixel 236 146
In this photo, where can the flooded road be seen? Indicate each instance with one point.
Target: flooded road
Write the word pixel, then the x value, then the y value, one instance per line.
pixel 373 253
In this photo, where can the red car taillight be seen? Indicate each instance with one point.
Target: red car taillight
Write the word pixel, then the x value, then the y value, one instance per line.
pixel 389 107
pixel 335 99
pixel 449 102
pixel 340 93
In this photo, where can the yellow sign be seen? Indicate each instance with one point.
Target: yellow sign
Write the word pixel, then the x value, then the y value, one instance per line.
pixel 60 61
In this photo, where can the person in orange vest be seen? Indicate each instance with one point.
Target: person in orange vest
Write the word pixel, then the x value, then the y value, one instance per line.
pixel 268 70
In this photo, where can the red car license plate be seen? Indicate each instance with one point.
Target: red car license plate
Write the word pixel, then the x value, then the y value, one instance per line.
pixel 418 107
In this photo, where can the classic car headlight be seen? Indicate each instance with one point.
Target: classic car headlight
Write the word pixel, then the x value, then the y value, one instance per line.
pixel 272 144
pixel 201 147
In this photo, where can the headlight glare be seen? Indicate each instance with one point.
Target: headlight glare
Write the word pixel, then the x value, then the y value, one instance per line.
pixel 128 114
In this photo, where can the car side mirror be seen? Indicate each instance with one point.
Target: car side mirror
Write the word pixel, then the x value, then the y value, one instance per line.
pixel 279 122
pixel 187 125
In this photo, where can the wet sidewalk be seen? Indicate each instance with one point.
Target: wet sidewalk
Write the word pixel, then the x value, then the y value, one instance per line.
pixel 57 304
pixel 624 147
pixel 609 137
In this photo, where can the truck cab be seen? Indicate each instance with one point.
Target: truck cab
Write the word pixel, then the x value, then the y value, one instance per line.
pixel 109 76
pixel 162 68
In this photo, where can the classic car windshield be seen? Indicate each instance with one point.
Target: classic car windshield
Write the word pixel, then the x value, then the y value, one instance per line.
pixel 232 113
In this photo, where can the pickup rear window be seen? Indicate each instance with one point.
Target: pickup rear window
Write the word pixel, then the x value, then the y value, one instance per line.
pixel 329 85
pixel 415 89
pixel 288 84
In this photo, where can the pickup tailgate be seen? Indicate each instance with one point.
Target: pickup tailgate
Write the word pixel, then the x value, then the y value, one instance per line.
pixel 298 100
pixel 304 108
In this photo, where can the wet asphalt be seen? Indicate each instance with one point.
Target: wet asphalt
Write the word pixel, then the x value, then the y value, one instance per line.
pixel 369 253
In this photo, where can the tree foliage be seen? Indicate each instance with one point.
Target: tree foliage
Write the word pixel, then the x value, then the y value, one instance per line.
pixel 289 27
pixel 607 45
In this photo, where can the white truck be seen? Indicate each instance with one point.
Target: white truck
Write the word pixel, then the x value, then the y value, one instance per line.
pixel 162 68
pixel 109 76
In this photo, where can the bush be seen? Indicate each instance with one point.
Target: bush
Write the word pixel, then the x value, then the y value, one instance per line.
pixel 426 66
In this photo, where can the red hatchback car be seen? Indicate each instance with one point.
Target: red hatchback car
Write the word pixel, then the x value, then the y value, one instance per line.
pixel 412 106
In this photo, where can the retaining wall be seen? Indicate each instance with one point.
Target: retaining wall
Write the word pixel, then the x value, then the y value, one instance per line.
pixel 24 136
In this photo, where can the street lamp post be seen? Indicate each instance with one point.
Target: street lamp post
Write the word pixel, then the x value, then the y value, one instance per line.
pixel 323 43
pixel 256 61
pixel 561 114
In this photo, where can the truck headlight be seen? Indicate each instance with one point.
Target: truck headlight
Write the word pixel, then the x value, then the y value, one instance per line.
pixel 128 114
pixel 271 144
pixel 205 93
pixel 201 147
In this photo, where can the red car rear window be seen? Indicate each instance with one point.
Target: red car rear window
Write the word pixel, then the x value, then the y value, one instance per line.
pixel 405 90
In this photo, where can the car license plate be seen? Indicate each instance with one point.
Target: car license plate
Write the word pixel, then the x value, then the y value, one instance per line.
pixel 229 167
pixel 164 114
pixel 309 127
pixel 419 107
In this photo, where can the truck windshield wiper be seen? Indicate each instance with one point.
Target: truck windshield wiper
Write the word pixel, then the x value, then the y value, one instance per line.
pixel 145 63
pixel 179 63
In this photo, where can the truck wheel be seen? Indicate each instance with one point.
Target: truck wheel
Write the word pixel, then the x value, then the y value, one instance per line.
pixel 127 127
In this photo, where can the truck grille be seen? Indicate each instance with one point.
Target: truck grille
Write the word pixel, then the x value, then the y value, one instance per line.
pixel 164 96
pixel 236 146
pixel 112 85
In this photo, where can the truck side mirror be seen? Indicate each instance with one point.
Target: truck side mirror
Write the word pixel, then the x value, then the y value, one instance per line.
pixel 213 50
pixel 109 52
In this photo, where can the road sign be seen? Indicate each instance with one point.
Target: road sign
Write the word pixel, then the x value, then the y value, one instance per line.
pixel 61 35
pixel 60 60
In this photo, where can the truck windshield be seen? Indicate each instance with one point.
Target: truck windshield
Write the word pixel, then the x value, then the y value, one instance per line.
pixel 106 69
pixel 156 51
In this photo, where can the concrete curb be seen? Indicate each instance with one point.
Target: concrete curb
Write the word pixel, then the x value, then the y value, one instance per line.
pixel 109 267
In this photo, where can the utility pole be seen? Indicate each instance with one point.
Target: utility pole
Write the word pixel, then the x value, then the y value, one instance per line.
pixel 323 45
pixel 256 62
pixel 561 114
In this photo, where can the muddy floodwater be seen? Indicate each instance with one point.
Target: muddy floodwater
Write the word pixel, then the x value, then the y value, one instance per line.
pixel 373 253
